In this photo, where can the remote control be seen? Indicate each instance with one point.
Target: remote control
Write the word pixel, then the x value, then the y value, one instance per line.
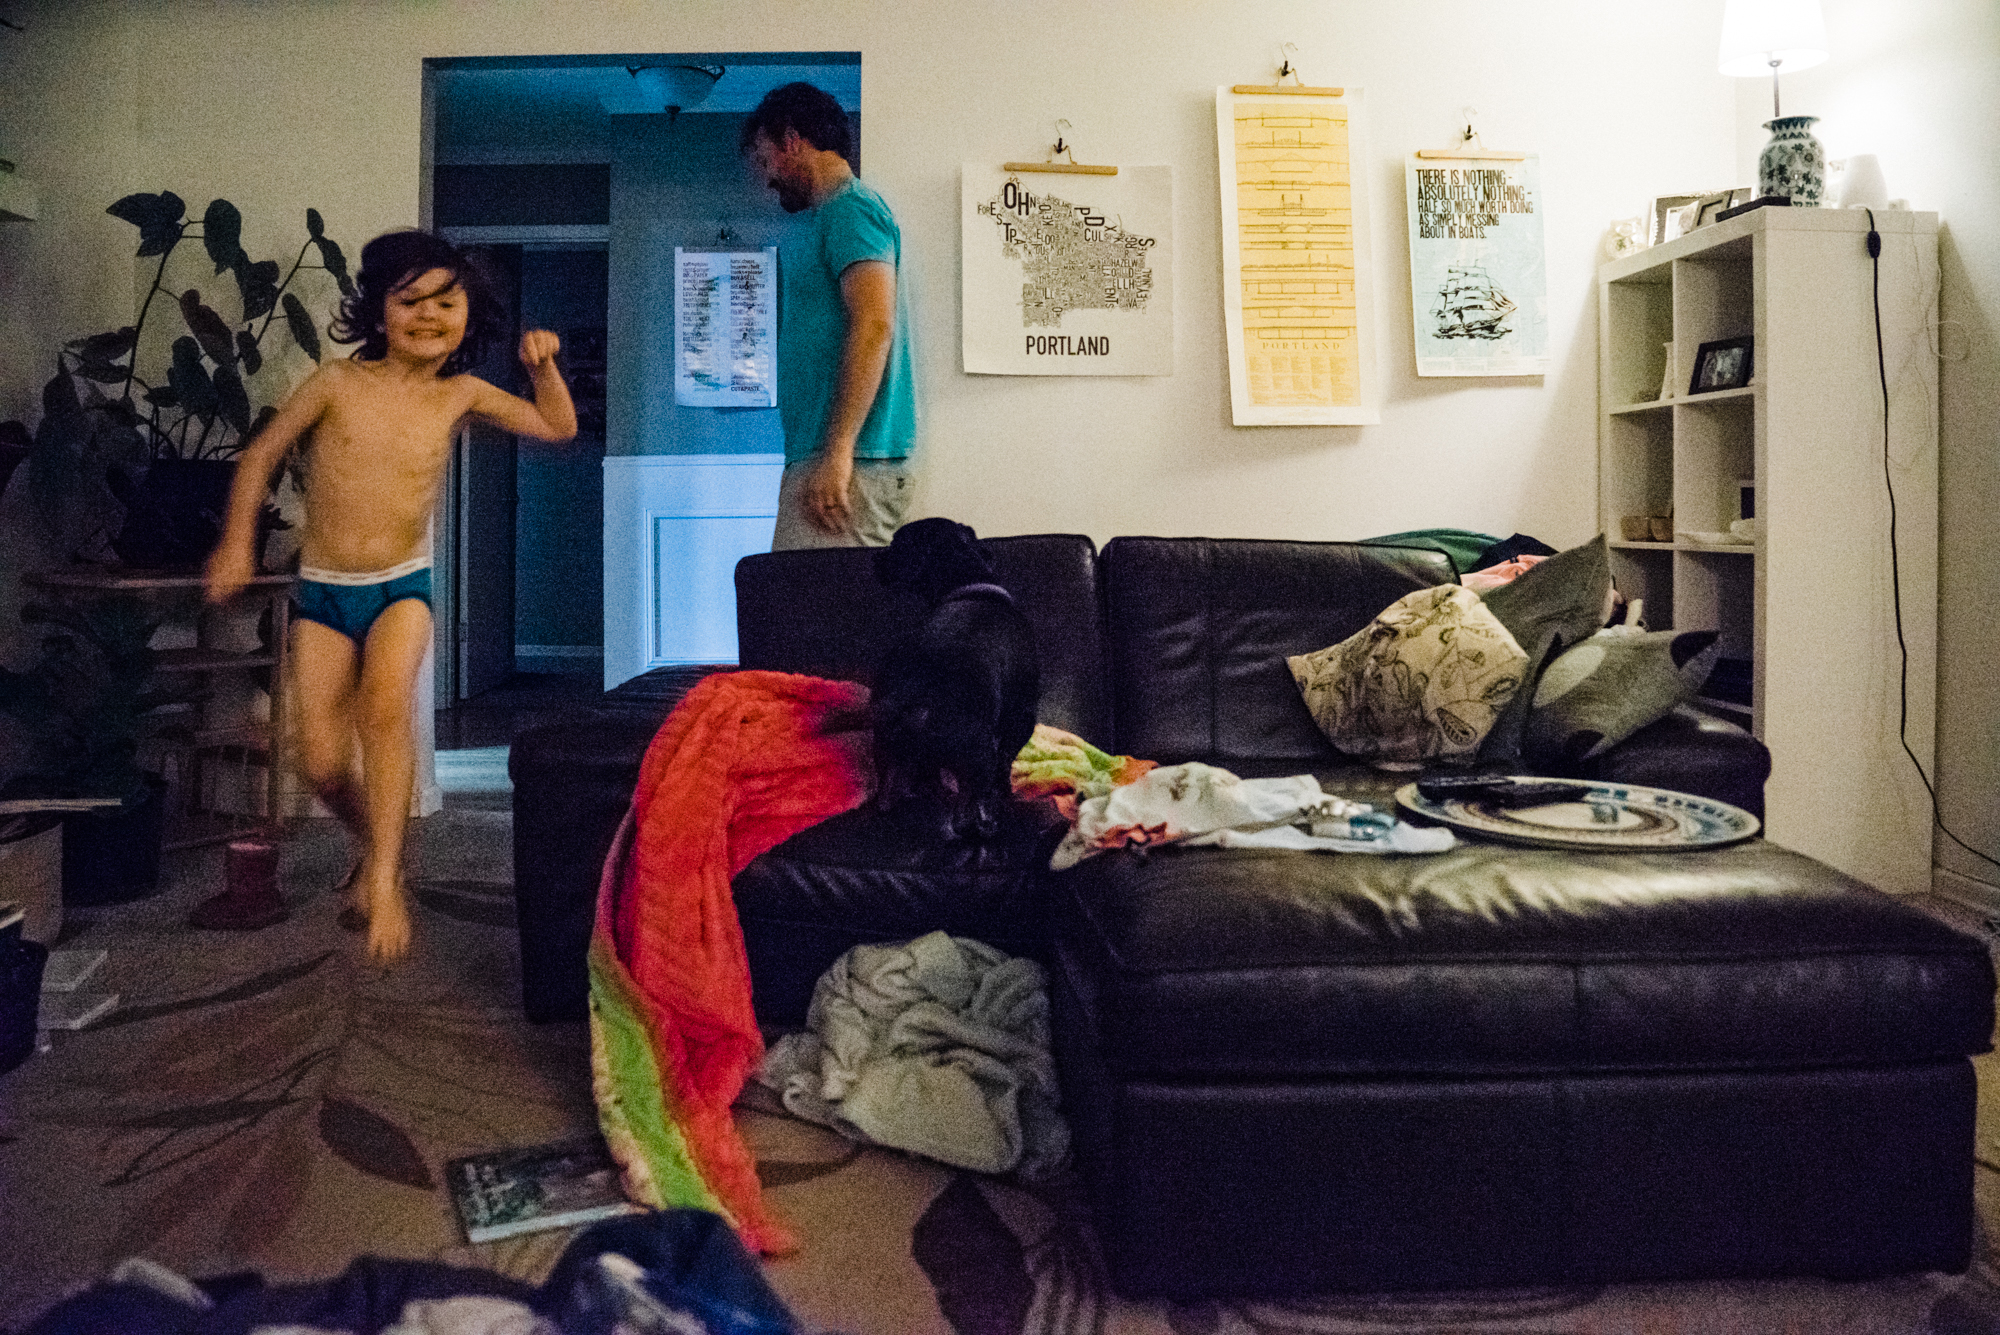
pixel 1533 793
pixel 1443 787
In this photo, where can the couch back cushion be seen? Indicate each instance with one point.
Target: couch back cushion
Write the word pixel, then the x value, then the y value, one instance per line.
pixel 1199 630
pixel 822 613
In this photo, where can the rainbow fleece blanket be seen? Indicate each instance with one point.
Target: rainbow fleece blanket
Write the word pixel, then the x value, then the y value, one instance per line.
pixel 744 762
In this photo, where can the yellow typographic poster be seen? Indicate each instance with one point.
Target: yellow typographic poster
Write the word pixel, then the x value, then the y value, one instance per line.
pixel 1294 248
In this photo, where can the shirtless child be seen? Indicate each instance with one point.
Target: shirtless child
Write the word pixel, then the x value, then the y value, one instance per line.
pixel 381 426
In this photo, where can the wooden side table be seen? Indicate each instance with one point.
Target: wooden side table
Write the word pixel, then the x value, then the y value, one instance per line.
pixel 217 743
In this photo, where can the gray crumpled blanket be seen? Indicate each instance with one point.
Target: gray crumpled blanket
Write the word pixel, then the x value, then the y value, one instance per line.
pixel 939 1046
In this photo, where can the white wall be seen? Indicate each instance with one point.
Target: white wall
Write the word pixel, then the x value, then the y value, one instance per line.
pixel 1917 84
pixel 282 104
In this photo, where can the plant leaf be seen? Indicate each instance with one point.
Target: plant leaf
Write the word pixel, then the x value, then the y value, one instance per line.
pixel 248 353
pixel 259 285
pixel 158 218
pixel 59 394
pixel 301 326
pixel 189 379
pixel 231 400
pixel 222 234
pixel 336 264
pixel 162 396
pixel 208 328
pixel 262 420
pixel 315 225
pixel 107 346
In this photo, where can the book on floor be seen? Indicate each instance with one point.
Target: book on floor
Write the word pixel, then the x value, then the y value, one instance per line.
pixel 538 1187
pixel 69 969
pixel 73 1010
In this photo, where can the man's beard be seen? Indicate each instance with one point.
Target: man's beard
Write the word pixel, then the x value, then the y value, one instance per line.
pixel 792 199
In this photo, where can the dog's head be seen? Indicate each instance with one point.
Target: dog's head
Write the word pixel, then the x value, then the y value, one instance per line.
pixel 931 557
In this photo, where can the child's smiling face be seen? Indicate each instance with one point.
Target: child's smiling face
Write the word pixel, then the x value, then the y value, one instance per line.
pixel 425 317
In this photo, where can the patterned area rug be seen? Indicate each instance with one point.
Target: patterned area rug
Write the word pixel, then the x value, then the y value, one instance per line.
pixel 268 1101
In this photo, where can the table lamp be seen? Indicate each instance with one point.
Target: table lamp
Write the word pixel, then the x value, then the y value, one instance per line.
pixel 1775 35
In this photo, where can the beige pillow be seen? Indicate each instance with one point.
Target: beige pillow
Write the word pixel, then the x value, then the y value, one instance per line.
pixel 1422 682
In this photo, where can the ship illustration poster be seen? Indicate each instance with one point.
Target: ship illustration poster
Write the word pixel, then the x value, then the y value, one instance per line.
pixel 1478 284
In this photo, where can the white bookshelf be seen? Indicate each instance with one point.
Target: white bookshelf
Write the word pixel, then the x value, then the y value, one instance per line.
pixel 1810 605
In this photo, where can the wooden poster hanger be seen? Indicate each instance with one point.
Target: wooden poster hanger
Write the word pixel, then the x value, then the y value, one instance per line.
pixel 1279 88
pixel 1071 166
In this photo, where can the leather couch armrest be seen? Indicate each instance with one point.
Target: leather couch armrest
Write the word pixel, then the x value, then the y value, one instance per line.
pixel 1690 751
pixel 573 780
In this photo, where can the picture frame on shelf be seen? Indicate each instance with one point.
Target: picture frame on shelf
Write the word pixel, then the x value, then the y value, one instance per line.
pixel 1709 208
pixel 1721 364
pixel 1662 220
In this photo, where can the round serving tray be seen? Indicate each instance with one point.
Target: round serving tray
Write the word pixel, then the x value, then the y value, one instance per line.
pixel 1604 815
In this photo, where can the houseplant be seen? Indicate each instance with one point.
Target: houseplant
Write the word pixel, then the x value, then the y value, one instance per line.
pixel 79 710
pixel 157 416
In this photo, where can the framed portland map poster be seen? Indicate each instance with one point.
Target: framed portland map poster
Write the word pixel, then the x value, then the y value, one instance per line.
pixel 1067 273
pixel 1478 283
pixel 1297 301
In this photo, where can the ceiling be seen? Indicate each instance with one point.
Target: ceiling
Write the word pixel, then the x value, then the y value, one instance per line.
pixel 564 106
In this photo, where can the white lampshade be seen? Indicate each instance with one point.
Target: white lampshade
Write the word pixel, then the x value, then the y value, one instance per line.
pixel 1757 32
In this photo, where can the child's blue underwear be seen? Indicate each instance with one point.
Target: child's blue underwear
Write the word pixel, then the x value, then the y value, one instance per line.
pixel 350 603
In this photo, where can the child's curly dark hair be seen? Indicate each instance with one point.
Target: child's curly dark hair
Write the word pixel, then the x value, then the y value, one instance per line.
pixel 390 262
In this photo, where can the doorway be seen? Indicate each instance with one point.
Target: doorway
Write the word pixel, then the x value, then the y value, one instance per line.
pixel 524 156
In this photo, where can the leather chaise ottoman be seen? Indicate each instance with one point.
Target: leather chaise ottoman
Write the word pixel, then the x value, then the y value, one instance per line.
pixel 1291 1073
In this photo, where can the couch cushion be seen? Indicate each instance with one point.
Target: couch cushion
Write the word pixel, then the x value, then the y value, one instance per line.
pixel 1199 630
pixel 1494 959
pixel 821 612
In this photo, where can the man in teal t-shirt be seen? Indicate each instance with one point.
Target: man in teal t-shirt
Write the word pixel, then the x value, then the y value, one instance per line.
pixel 844 383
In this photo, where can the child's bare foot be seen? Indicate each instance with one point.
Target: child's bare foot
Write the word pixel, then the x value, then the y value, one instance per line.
pixel 388 923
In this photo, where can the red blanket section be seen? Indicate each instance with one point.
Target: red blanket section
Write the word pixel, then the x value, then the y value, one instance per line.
pixel 743 763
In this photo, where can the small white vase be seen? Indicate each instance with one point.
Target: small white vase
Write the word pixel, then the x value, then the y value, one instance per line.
pixel 1793 163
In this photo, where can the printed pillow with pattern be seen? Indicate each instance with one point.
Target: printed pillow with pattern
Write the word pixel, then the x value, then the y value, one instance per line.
pixel 1423 682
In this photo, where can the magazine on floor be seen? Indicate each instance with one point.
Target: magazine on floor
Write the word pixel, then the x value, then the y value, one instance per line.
pixel 525 1190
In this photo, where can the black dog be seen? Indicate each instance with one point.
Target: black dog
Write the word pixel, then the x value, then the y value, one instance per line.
pixel 955 699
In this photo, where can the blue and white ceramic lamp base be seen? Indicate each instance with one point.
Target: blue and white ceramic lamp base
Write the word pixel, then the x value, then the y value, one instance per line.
pixel 1793 163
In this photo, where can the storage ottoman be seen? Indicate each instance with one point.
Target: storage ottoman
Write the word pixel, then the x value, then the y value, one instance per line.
pixel 1295 1072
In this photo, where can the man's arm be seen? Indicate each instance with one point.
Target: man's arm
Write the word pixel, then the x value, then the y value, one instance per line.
pixel 868 289
pixel 233 563
pixel 551 416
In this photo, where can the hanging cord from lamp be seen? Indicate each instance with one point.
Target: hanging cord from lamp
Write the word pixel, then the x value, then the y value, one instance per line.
pixel 1895 564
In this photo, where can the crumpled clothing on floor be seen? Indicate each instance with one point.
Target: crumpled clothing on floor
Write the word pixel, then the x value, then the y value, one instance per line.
pixel 938 1046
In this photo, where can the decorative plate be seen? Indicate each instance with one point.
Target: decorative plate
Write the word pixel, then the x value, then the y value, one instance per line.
pixel 1604 815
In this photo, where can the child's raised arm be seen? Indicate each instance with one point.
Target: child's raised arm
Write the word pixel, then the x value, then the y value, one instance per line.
pixel 234 562
pixel 551 416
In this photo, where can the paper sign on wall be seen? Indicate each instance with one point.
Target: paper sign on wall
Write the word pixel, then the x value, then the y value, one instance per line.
pixel 1477 278
pixel 1297 304
pixel 1068 274
pixel 726 328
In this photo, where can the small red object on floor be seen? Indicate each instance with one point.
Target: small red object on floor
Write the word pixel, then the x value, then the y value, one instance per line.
pixel 250 897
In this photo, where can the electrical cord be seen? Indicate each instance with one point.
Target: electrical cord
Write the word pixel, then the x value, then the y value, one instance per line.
pixel 1895 564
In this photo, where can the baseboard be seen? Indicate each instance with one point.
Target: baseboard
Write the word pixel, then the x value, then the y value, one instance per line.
pixel 1969 891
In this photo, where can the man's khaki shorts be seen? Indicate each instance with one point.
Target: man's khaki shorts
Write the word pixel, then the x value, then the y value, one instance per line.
pixel 878 498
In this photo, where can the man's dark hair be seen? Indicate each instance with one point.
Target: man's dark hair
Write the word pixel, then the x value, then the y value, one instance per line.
pixel 394 259
pixel 810 112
